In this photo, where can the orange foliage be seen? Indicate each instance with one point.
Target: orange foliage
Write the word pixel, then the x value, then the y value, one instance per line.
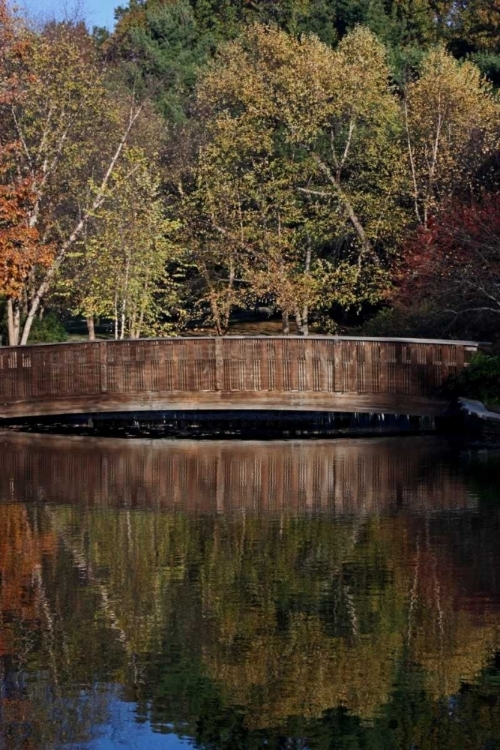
pixel 20 245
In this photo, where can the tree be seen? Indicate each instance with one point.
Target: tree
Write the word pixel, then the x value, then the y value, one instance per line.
pixel 21 247
pixel 67 129
pixel 352 135
pixel 454 263
pixel 161 47
pixel 121 270
pixel 452 121
pixel 301 174
pixel 475 31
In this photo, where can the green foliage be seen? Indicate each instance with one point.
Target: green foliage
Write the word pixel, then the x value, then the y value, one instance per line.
pixel 168 48
pixel 47 330
pixel 149 32
pixel 480 380
pixel 298 182
pixel 65 132
pixel 305 139
pixel 121 269
pixel 451 120
pixel 489 65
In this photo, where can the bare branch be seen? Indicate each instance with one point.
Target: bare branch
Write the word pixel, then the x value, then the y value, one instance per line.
pixel 366 246
pixel 412 163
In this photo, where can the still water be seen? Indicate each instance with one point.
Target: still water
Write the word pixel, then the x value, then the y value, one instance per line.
pixel 228 595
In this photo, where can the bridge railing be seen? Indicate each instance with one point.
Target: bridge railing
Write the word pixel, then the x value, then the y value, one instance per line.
pixel 255 367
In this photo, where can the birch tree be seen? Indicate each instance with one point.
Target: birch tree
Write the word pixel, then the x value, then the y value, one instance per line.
pixel 67 129
pixel 121 269
pixel 304 148
pixel 452 124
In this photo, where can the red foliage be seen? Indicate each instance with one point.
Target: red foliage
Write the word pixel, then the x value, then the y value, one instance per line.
pixel 457 254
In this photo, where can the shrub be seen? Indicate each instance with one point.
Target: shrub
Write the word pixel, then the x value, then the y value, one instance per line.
pixel 480 380
pixel 423 320
pixel 417 322
pixel 48 330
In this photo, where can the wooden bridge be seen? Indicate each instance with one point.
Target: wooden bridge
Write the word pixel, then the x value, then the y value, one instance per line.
pixel 317 373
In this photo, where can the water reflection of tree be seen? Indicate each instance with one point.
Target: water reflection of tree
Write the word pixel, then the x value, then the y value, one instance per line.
pixel 289 616
pixel 38 705
pixel 239 626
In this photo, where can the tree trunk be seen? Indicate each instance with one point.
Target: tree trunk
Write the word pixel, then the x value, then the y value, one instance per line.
pixel 305 310
pixel 226 318
pixel 305 321
pixel 116 318
pixel 132 323
pixel 13 321
pixel 91 327
pixel 217 318
pixel 122 322
pixel 27 325
pixel 140 325
pixel 298 320
pixel 366 245
pixel 285 323
pixel 124 310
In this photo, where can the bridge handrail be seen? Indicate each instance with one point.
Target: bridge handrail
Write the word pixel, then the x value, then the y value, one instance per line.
pixel 265 337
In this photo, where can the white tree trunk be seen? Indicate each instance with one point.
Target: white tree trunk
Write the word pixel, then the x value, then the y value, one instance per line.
pixel 13 321
pixel 91 327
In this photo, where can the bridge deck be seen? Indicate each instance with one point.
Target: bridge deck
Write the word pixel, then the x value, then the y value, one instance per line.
pixel 317 373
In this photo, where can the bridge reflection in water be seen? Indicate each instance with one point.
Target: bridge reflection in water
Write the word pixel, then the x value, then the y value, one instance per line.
pixel 266 374
pixel 348 476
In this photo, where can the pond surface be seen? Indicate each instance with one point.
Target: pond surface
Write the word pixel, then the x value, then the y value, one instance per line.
pixel 225 595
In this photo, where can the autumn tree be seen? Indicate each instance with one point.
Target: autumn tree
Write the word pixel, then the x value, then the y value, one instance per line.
pixel 454 265
pixel 21 247
pixel 452 123
pixel 66 129
pixel 120 269
pixel 301 173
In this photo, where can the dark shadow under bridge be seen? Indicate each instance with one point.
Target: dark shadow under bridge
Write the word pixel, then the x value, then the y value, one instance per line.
pixel 313 374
